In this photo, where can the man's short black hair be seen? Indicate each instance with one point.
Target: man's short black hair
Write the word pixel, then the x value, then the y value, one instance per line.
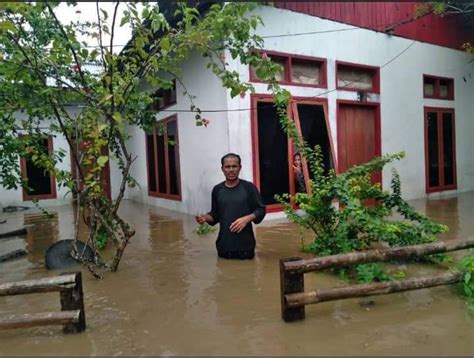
pixel 230 155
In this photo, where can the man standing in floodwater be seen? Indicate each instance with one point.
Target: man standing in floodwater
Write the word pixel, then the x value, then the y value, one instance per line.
pixel 236 203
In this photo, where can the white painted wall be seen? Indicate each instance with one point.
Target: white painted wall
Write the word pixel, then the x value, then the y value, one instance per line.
pixel 63 196
pixel 401 98
pixel 401 101
pixel 200 148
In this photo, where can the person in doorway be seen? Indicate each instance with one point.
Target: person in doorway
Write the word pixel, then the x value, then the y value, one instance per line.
pixel 235 204
pixel 300 184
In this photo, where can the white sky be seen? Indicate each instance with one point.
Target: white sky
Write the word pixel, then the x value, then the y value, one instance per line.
pixel 86 11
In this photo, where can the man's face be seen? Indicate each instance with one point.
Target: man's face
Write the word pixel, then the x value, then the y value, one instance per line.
pixel 231 168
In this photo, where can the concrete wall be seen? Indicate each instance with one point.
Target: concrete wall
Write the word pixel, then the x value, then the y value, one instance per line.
pixel 401 97
pixel 63 196
pixel 200 148
pixel 401 101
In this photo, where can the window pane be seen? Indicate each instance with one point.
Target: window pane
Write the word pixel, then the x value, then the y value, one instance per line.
pixel 160 140
pixel 448 149
pixel 429 84
pixel 443 88
pixel 172 133
pixel 164 97
pixel 273 153
pixel 355 78
pixel 150 146
pixel 433 174
pixel 314 131
pixel 305 72
pixel 279 76
pixel 39 181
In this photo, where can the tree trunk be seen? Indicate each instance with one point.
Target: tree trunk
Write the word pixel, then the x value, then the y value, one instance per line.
pixel 354 258
pixel 370 289
pixel 49 284
pixel 13 255
pixel 38 319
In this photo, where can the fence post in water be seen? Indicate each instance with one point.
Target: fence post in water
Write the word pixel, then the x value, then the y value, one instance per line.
pixel 73 299
pixel 290 282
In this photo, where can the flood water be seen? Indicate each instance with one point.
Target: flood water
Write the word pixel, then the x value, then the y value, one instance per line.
pixel 173 296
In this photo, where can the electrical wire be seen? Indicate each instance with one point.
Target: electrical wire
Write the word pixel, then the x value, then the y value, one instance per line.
pixel 237 109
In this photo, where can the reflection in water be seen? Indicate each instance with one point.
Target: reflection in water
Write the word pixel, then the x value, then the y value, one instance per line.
pixel 173 296
pixel 445 211
pixel 41 234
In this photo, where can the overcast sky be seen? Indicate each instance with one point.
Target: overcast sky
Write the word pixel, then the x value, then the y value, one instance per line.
pixel 86 11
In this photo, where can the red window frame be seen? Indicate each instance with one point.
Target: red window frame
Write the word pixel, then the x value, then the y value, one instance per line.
pixel 375 78
pixel 168 96
pixel 157 194
pixel 288 58
pixel 52 178
pixel 436 91
pixel 255 98
pixel 442 186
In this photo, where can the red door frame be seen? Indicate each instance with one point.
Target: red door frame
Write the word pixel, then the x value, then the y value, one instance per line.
pixel 440 187
pixel 254 98
pixel 377 131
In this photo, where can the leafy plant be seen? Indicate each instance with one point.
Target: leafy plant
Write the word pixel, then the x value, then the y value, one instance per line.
pixel 371 272
pixel 204 229
pixel 352 225
pixel 466 265
pixel 101 239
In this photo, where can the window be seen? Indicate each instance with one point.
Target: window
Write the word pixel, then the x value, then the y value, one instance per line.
pixel 297 70
pixel 440 149
pixel 353 77
pixel 438 87
pixel 273 152
pixel 162 150
pixel 40 183
pixel 163 98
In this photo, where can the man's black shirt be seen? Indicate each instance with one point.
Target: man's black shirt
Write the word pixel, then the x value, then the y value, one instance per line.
pixel 229 204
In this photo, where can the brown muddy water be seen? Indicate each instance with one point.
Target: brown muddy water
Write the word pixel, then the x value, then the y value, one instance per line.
pixel 173 296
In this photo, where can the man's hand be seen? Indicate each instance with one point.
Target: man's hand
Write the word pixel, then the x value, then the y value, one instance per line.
pixel 239 224
pixel 200 219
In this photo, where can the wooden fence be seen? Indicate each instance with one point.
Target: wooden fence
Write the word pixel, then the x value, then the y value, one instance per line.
pixel 292 270
pixel 72 315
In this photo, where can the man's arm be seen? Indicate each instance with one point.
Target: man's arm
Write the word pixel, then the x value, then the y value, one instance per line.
pixel 239 224
pixel 256 216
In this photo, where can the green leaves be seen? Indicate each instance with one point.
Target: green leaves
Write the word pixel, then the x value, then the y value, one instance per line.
pixel 102 160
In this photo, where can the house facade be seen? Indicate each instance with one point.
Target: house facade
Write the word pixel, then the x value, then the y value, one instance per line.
pixel 365 82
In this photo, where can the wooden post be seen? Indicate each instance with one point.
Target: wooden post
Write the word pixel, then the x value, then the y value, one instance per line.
pixel 38 319
pixel 290 283
pixel 13 255
pixel 353 258
pixel 18 232
pixel 73 299
pixel 370 289
pixel 48 284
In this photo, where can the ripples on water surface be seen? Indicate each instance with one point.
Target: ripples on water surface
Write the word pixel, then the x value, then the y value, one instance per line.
pixel 173 296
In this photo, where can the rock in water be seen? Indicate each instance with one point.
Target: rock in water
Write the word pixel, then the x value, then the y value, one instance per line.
pixel 58 255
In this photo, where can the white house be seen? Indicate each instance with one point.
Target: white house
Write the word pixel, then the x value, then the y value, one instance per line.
pixel 366 81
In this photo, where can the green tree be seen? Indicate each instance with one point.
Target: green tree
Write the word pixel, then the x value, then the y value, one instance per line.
pixel 44 71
